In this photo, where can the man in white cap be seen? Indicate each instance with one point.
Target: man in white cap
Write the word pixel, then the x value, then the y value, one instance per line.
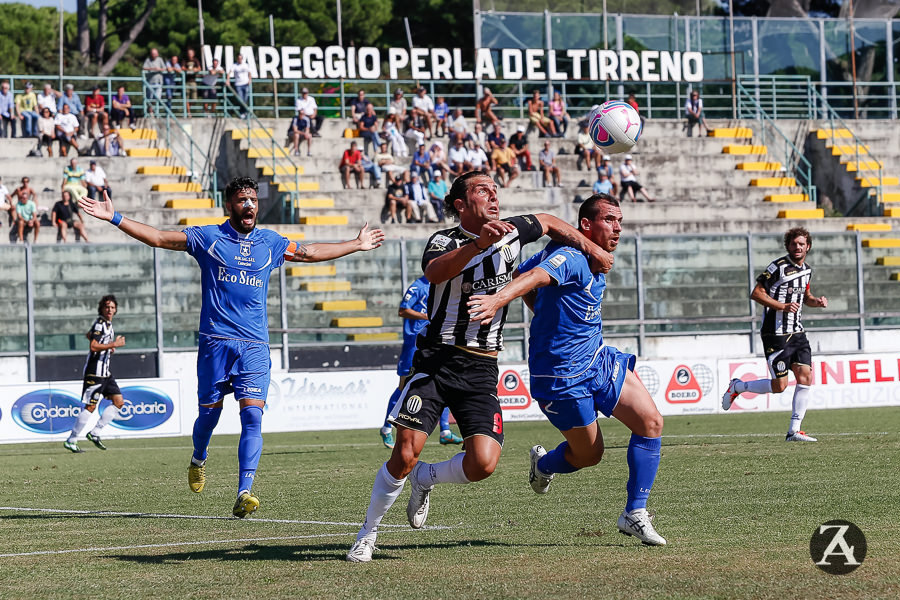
pixel 308 105
pixel 627 173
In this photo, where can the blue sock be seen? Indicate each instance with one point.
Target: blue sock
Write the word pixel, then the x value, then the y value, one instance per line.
pixel 445 419
pixel 203 428
pixel 643 463
pixel 555 461
pixel 250 446
pixel 391 404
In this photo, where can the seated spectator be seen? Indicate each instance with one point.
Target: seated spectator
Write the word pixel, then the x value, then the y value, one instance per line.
pixel 438 157
pixel 547 158
pixel 299 130
pixel 171 78
pixel 603 185
pixel 537 117
pixel 95 178
pixel 396 196
pixel 367 125
pixel 120 108
pixel 419 199
pixel 109 143
pixel 7 111
pixel 26 106
pixel 441 112
pixel 505 162
pixel 558 114
pixel 477 158
pixel 74 180
pixel 350 163
pixel 423 105
pixel 63 217
pixel 437 190
pixel 76 108
pixel 605 166
pixel 192 66
pixel 46 130
pixel 95 112
pixel 494 138
pixel 371 167
pixel 385 161
pixel 458 124
pixel 66 130
pixel 25 190
pixel 421 160
pixel 210 81
pixel 308 105
pixel 484 114
pixel 48 98
pixel 479 137
pixel 519 144
pixel 584 148
pixel 416 129
pixel 390 130
pixel 627 173
pixel 457 159
pixel 693 110
pixel 7 204
pixel 358 106
pixel 399 104
pixel 26 213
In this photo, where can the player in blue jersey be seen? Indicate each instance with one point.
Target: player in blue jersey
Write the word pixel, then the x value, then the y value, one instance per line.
pixel 573 374
pixel 235 260
pixel 413 310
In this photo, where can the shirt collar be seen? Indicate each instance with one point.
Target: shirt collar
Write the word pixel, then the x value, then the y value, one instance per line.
pixel 231 231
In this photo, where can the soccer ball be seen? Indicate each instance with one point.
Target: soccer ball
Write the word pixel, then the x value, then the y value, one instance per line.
pixel 614 127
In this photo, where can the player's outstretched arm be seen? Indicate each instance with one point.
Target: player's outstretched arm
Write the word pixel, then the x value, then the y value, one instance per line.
pixel 760 296
pixel 561 232
pixel 320 251
pixel 103 210
pixel 483 307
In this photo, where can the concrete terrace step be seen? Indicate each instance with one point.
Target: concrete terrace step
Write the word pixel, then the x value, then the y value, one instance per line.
pixel 730 132
pixel 177 187
pixel 161 170
pixel 148 152
pixel 869 227
pixel 190 203
pixel 802 213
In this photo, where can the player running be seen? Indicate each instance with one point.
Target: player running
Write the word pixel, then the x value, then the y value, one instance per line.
pixel 235 260
pixel 783 289
pixel 98 382
pixel 574 375
pixel 455 363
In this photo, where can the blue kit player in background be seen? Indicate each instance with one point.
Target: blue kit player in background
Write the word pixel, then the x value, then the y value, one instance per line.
pixel 573 374
pixel 235 260
pixel 413 310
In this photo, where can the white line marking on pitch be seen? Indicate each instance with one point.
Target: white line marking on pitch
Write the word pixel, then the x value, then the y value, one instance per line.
pixel 745 435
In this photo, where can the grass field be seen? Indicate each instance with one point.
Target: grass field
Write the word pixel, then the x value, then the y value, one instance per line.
pixel 737 504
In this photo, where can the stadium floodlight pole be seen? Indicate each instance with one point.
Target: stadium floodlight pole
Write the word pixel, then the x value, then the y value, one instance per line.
pixel 341 45
pixel 274 79
pixel 733 74
pixel 200 22
pixel 476 37
pixel 60 43
pixel 605 42
pixel 853 63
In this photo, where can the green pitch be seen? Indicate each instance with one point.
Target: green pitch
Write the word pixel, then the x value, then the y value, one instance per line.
pixel 736 503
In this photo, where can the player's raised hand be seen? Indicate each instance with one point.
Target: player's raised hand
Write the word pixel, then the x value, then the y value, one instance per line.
pixel 492 232
pixel 369 240
pixel 483 307
pixel 792 307
pixel 601 261
pixel 100 209
pixel 821 302
pixel 120 341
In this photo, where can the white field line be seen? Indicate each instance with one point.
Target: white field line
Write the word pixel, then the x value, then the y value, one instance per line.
pixel 777 435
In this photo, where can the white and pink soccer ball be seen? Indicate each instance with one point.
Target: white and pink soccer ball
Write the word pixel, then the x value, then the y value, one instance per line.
pixel 614 127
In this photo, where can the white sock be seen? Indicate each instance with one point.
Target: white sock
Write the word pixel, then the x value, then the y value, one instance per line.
pixel 384 492
pixel 801 400
pixel 446 432
pixel 83 417
pixel 109 413
pixel 386 430
pixel 448 471
pixel 756 386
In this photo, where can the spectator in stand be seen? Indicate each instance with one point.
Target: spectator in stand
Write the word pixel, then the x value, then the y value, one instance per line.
pixel 46 131
pixel 693 110
pixel 477 157
pixel 399 104
pixel 441 112
pixel 154 67
pixel 76 108
pixel 7 204
pixel 26 106
pixel 66 130
pixel 63 217
pixel 603 185
pixel 505 162
pixel 109 143
pixel 547 158
pixel 390 129
pixel 438 157
pixel 627 174
pixel 423 105
pixel 74 180
pixel 120 108
pixel 96 181
pixel 308 104
pixel 350 163
pixel 48 98
pixel 558 114
pixel 421 160
pixel 7 111
pixel 26 211
pixel 479 137
pixel 634 104
pixel 95 112
pixel 417 193
pixel 396 196
pixel 518 142
pixel 494 139
pixel 584 148
pixel 210 81
pixel 192 66
pixel 416 129
pixel 605 166
pixel 437 190
pixel 538 118
pixel 240 70
pixel 25 190
pixel 358 106
pixel 171 78
pixel 385 162
pixel 367 125
pixel 299 130
pixel 459 126
pixel 458 158
pixel 371 167
pixel 484 113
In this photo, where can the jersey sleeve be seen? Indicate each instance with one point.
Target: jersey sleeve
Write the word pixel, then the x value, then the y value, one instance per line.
pixel 530 229
pixel 195 239
pixel 96 332
pixel 437 245
pixel 279 245
pixel 765 278
pixel 565 265
pixel 412 297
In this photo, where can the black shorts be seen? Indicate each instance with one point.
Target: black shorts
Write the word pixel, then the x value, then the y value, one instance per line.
pixel 782 351
pixel 97 388
pixel 506 167
pixel 463 381
pixel 631 184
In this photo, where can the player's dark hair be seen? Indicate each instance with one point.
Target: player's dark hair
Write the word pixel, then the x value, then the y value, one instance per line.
pixel 239 184
pixel 458 190
pixel 104 300
pixel 796 232
pixel 591 206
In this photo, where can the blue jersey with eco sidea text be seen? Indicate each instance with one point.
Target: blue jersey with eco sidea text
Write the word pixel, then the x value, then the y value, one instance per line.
pixel 415 298
pixel 566 336
pixel 235 272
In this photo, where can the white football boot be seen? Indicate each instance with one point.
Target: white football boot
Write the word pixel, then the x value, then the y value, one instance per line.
pixel 799 436
pixel 540 481
pixel 637 523
pixel 362 550
pixel 419 501
pixel 730 395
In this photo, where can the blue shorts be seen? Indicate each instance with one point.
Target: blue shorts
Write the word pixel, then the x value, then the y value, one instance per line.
pixel 225 366
pixel 598 393
pixel 404 365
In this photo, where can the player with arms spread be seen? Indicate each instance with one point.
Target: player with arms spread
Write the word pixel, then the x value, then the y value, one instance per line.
pixel 455 363
pixel 574 375
pixel 783 289
pixel 235 260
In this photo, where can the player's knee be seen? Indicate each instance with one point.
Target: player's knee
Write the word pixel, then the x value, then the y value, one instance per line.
pixel 654 426
pixel 479 467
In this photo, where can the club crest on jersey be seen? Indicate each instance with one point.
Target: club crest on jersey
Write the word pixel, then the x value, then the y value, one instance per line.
pixel 507 253
pixel 246 247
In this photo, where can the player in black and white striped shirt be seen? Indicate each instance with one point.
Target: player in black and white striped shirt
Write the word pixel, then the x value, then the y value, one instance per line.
pixel 98 382
pixel 783 289
pixel 455 364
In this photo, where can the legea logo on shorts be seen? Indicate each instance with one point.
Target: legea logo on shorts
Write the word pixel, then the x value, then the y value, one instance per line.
pixel 46 411
pixel 145 408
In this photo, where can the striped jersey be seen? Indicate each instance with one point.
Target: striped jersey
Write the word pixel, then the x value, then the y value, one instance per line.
pixel 784 282
pixel 487 273
pixel 97 363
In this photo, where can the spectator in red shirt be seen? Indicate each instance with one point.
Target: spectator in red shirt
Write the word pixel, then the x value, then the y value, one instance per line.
pixel 351 162
pixel 95 111
pixel 633 102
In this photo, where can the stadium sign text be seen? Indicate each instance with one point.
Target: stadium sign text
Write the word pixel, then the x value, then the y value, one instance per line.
pixel 145 408
pixel 532 64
